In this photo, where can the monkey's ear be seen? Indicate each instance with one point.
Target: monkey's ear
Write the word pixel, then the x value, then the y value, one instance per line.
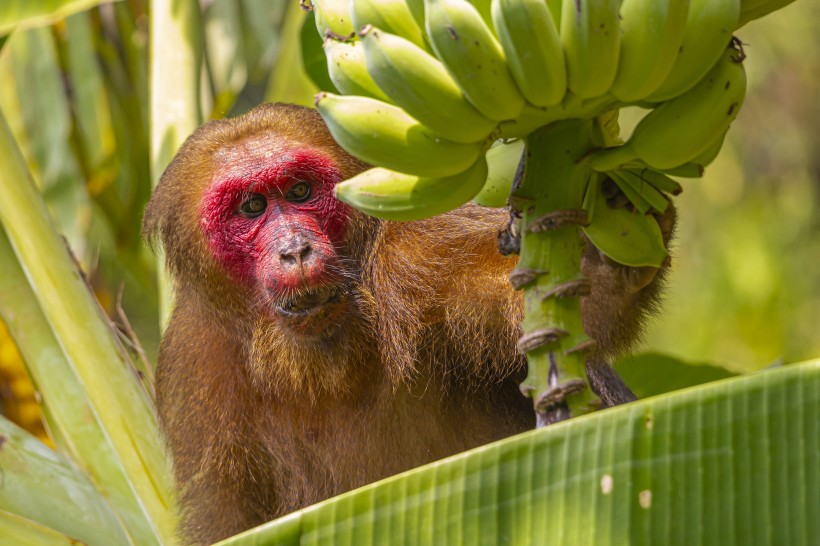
pixel 152 218
pixel 178 184
pixel 162 213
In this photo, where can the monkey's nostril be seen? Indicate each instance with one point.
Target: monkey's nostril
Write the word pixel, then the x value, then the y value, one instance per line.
pixel 295 253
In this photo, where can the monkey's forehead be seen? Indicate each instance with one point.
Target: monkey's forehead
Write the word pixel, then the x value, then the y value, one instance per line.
pixel 250 151
pixel 252 162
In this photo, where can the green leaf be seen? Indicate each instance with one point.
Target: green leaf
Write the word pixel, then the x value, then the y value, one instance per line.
pixel 314 61
pixel 225 53
pixel 89 101
pixel 734 462
pixel 76 429
pixel 650 374
pixel 21 531
pixel 175 113
pixel 44 128
pixel 40 485
pixel 27 13
pixel 261 25
pixel 627 237
pixel 87 339
pixel 288 80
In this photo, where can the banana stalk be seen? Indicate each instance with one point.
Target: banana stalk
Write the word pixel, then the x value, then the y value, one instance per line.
pixel 548 197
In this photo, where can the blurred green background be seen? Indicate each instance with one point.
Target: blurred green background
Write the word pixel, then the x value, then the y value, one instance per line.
pixel 745 287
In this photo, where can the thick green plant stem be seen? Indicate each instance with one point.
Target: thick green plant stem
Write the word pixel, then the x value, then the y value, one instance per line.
pixel 175 62
pixel 92 351
pixel 549 198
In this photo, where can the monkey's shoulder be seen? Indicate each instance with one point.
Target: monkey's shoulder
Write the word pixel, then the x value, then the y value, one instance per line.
pixel 469 228
pixel 439 254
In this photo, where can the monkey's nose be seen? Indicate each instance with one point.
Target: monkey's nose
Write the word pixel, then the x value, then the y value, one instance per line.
pixel 295 253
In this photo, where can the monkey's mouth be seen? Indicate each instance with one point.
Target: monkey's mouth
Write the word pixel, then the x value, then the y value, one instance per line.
pixel 309 301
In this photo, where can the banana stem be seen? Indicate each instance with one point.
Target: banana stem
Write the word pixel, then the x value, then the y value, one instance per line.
pixel 549 198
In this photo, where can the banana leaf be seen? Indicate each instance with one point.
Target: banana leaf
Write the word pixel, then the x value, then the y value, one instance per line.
pixel 87 340
pixel 27 13
pixel 40 485
pixel 733 462
pixel 25 532
pixel 175 71
pixel 288 81
pixel 224 53
pixel 76 430
pixel 42 125
pixel 314 62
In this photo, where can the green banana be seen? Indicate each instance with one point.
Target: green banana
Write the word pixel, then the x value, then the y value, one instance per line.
pixel 417 82
pixel 530 119
pixel 696 167
pixel 502 163
pixel 533 49
pixel 679 130
pixel 651 33
pixel 417 11
pixel 708 155
pixel 397 196
pixel 709 27
pixel 332 16
pixel 629 238
pixel 472 55
pixel 689 169
pixel 393 16
pixel 385 135
pixel 755 9
pixel 484 9
pixel 347 70
pixel 590 35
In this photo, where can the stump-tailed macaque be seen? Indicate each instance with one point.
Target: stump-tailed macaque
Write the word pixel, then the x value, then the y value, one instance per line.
pixel 313 349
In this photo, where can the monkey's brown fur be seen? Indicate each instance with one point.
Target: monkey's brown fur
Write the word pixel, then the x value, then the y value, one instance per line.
pixel 422 364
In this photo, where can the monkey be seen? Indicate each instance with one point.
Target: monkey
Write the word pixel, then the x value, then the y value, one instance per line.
pixel 312 349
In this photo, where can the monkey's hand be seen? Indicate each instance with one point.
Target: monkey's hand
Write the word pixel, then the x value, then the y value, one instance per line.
pixel 622 297
pixel 620 300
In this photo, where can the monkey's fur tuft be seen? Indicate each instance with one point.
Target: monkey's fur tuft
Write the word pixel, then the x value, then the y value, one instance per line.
pixel 313 349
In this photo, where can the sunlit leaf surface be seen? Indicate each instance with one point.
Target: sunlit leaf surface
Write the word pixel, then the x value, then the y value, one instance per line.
pixel 25 13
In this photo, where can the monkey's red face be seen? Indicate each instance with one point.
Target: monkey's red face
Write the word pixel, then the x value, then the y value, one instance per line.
pixel 271 221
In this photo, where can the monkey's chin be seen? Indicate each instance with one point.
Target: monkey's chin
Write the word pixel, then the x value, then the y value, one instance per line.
pixel 316 311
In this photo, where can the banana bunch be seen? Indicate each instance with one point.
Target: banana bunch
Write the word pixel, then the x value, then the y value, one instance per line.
pixel 755 9
pixel 685 129
pixel 391 195
pixel 429 85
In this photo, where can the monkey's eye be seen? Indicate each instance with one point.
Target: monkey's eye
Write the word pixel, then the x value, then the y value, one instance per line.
pixel 254 205
pixel 298 192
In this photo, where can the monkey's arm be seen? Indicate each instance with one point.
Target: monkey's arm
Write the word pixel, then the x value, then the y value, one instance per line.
pixel 201 393
pixel 444 288
pixel 461 285
pixel 622 297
